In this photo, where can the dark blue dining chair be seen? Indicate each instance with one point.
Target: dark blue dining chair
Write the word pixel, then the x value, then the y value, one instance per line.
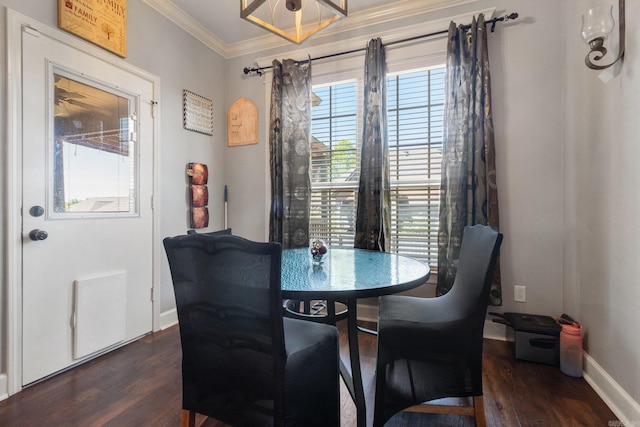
pixel 431 348
pixel 242 362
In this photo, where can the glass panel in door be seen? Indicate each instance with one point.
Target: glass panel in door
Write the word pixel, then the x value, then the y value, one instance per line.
pixel 93 151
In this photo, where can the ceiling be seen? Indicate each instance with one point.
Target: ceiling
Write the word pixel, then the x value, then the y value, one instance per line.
pixel 218 24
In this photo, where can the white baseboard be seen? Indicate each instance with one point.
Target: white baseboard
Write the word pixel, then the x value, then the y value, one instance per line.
pixel 4 390
pixel 617 399
pixel 168 319
pixel 494 331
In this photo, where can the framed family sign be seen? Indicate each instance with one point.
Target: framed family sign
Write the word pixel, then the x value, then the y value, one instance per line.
pixel 101 22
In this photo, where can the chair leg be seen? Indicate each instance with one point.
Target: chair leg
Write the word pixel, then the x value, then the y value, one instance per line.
pixel 188 418
pixel 478 406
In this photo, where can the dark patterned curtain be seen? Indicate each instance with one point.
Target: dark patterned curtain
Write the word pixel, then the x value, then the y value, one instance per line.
pixel 373 216
pixel 468 194
pixel 289 144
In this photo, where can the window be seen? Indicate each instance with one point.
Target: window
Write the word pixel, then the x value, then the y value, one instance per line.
pixel 334 163
pixel 415 121
pixel 415 116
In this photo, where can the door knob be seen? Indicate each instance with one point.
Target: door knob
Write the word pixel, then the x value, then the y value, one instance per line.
pixel 38 234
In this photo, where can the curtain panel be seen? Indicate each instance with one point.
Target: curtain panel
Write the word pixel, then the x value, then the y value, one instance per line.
pixel 290 153
pixel 373 214
pixel 469 193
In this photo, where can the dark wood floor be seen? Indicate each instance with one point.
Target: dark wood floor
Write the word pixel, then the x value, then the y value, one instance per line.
pixel 140 385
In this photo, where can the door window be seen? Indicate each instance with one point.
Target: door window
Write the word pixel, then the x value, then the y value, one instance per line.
pixel 93 152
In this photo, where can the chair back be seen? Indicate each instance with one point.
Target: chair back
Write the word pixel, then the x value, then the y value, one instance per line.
pixel 223 232
pixel 476 267
pixel 229 304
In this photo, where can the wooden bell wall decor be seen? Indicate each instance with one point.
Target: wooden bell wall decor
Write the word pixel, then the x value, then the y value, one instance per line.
pixel 198 195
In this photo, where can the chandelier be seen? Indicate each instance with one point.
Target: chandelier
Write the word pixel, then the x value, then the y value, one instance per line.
pixel 296 20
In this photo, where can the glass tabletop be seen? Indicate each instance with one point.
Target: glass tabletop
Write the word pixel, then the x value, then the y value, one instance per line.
pixel 349 273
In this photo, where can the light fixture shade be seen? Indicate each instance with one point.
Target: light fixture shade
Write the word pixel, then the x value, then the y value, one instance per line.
pixel 295 26
pixel 597 23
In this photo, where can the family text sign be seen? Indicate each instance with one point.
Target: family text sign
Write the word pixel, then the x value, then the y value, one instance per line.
pixel 102 22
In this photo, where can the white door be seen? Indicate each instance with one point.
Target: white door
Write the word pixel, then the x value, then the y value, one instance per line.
pixel 87 219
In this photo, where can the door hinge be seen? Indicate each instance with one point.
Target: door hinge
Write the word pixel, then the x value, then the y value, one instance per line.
pixel 151 294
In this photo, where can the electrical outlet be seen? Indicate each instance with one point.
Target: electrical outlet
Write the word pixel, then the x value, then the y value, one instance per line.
pixel 520 293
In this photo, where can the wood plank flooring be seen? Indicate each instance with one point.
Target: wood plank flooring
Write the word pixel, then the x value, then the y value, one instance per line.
pixel 140 385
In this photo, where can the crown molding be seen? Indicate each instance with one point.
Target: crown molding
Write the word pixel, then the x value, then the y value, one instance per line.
pixel 188 24
pixel 388 36
pixel 377 15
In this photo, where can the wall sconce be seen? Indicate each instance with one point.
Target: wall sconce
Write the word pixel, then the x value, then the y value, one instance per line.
pixel 597 24
pixel 298 21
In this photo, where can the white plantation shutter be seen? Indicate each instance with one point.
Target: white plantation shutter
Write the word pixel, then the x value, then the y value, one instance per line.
pixel 334 163
pixel 415 111
pixel 415 116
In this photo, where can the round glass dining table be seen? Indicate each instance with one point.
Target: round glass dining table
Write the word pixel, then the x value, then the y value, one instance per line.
pixel 344 276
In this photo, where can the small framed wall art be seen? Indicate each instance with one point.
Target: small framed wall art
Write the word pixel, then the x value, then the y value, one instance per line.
pixel 242 123
pixel 197 113
pixel 103 23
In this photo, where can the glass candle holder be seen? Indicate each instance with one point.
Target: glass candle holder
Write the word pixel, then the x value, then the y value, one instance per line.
pixel 318 250
pixel 597 23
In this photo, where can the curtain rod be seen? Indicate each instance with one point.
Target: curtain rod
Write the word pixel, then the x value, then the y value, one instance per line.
pixel 260 70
